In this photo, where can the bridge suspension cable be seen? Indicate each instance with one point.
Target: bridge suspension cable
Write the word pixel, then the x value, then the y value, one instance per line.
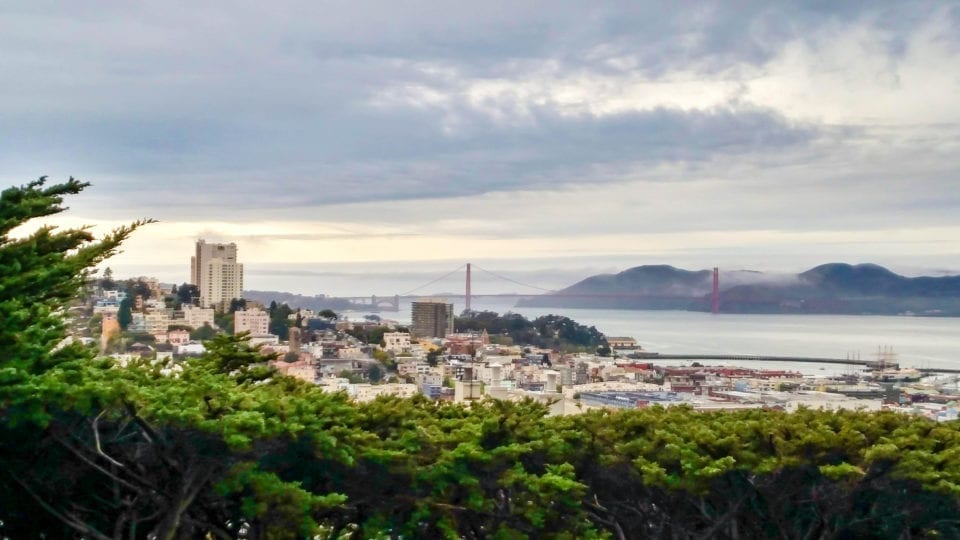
pixel 505 278
pixel 441 278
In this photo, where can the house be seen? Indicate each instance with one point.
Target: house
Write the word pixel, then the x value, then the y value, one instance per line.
pixel 625 343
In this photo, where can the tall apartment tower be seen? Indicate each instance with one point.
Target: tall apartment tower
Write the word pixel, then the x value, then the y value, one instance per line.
pixel 432 319
pixel 215 271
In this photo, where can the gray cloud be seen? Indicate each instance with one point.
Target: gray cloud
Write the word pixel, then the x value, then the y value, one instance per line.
pixel 240 108
pixel 404 155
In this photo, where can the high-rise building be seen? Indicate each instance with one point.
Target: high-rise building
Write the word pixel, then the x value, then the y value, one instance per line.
pixel 432 319
pixel 215 271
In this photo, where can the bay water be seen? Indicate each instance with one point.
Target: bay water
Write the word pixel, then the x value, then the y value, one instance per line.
pixel 922 342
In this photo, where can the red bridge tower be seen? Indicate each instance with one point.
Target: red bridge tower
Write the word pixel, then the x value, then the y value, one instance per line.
pixel 715 304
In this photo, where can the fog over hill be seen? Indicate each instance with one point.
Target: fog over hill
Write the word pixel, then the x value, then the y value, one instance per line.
pixel 836 288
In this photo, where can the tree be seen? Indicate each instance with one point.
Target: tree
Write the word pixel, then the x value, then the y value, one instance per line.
pixel 39 274
pixel 350 376
pixel 107 283
pixel 125 313
pixel 433 357
pixel 95 325
pixel 373 336
pixel 237 304
pixel 384 358
pixel 88 448
pixel 138 288
pixel 203 333
pixel 280 320
pixel 375 373
pixel 548 331
pixel 187 293
pixel 143 337
pixel 224 321
pixel 328 314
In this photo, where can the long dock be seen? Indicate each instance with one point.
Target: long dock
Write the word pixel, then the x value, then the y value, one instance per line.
pixel 872 364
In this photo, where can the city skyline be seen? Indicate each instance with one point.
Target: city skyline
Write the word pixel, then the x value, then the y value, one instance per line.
pixel 574 139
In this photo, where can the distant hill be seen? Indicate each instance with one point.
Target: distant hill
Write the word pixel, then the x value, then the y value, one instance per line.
pixel 316 303
pixel 830 288
pixel 874 280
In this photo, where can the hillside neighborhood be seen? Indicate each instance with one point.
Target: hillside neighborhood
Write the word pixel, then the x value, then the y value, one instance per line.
pixel 553 360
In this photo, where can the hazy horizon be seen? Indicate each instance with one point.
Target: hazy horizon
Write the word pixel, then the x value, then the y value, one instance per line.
pixel 399 277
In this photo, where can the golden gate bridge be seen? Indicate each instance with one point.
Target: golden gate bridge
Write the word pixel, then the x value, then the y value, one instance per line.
pixel 392 303
pixel 386 303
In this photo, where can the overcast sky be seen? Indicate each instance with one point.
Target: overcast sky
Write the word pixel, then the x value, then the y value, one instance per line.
pixel 595 135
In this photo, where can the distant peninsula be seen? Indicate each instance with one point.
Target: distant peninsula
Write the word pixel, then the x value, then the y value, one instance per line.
pixel 316 303
pixel 835 288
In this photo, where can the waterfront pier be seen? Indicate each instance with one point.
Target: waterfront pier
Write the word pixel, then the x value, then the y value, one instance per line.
pixel 870 364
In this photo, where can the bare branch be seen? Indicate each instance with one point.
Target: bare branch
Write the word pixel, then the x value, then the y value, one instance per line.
pixel 96 438
pixel 66 519
pixel 109 474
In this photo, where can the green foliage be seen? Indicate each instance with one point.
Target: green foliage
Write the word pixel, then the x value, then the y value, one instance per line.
pixel 233 355
pixel 142 337
pixel 433 357
pixel 187 293
pixel 125 313
pixel 95 325
pixel 375 374
pixel 106 282
pixel 204 333
pixel 224 321
pixel 350 376
pixel 548 331
pixel 280 320
pixel 137 288
pixel 284 508
pixel 384 358
pixel 371 336
pixel 237 304
pixel 39 275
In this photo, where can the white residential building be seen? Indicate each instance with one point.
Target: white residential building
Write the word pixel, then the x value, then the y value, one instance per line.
pixel 157 321
pixel 369 392
pixel 191 348
pixel 255 321
pixel 196 317
pixel 138 322
pixel 396 342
